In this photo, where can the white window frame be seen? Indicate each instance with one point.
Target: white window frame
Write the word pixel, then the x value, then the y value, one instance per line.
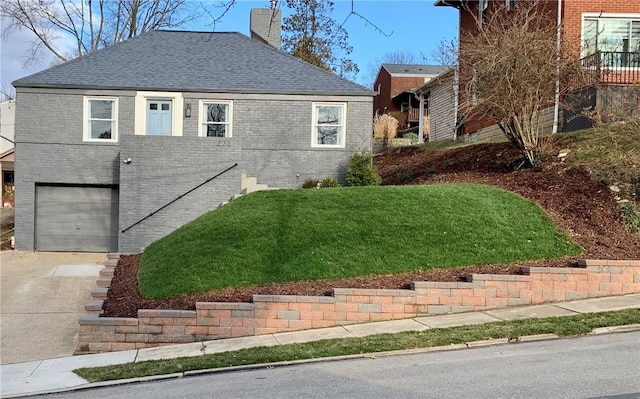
pixel 201 130
pixel 86 114
pixel 177 117
pixel 342 134
pixel 604 15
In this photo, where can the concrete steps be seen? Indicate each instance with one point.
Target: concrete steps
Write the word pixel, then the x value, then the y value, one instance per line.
pixel 248 185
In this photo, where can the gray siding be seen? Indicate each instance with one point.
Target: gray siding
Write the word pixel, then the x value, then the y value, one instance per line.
pixel 493 132
pixel 442 116
pixel 271 141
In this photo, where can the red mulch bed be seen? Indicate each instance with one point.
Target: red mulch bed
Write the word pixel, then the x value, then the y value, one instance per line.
pixel 584 208
pixel 5 246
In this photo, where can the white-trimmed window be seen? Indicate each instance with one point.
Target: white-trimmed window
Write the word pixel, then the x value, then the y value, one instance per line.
pixel 612 33
pixel 101 119
pixel 216 118
pixel 328 128
pixel 159 113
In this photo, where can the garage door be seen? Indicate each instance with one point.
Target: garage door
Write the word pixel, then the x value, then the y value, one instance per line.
pixel 76 218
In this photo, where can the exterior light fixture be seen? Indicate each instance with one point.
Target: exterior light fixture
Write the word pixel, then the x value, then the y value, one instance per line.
pixel 187 111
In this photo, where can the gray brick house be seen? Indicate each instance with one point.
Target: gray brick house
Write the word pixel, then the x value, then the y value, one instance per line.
pixel 106 139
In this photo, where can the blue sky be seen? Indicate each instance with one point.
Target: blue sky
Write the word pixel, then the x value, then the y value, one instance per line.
pixel 413 26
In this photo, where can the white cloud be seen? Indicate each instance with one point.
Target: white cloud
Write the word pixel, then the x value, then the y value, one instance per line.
pixel 14 53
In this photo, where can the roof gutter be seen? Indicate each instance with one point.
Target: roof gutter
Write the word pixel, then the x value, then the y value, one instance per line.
pixel 363 93
pixel 448 3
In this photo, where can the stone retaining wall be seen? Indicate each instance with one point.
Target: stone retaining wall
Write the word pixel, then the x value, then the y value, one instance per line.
pixel 277 313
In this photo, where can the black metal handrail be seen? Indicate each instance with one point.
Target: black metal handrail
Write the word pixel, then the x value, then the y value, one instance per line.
pixel 613 66
pixel 180 196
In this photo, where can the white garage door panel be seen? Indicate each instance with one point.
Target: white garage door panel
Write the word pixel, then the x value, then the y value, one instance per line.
pixel 76 218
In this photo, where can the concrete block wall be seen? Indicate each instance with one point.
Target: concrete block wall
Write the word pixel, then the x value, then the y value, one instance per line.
pixel 270 314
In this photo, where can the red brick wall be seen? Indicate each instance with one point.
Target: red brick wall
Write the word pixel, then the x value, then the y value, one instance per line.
pixel 384 98
pixel 270 314
pixel 389 87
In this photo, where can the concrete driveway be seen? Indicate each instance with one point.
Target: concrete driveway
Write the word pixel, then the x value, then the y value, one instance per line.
pixel 42 296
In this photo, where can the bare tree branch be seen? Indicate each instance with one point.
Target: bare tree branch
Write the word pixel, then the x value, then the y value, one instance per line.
pixel 91 24
pixel 509 68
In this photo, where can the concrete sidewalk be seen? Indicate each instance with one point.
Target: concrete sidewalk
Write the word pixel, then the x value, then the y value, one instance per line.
pixel 21 379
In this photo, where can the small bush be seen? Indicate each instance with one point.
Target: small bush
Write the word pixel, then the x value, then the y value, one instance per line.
pixel 630 216
pixel 405 176
pixel 329 182
pixel 361 172
pixel 310 183
pixel 410 136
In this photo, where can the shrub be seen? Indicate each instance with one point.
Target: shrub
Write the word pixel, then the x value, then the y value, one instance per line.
pixel 385 127
pixel 329 182
pixel 361 172
pixel 310 183
pixel 410 136
pixel 630 216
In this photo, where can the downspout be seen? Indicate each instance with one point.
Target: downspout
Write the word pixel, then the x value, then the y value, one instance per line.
pixel 556 108
pixel 421 119
pixel 456 102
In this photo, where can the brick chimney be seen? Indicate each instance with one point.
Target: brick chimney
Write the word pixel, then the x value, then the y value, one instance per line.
pixel 265 26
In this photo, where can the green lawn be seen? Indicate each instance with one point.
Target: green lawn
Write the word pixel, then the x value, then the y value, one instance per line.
pixel 291 235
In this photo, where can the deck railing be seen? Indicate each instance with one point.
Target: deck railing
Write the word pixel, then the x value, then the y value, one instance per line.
pixel 414 114
pixel 613 67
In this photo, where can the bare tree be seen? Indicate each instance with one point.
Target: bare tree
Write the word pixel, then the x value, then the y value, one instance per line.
pixel 71 28
pixel 509 68
pixel 313 36
pixel 7 92
pixel 446 53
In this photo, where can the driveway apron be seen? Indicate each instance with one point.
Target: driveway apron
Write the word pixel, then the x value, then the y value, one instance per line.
pixel 42 296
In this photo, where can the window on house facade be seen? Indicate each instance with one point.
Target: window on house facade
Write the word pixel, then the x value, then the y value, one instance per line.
pixel 618 36
pixel 216 118
pixel 101 119
pixel 328 128
pixel 511 4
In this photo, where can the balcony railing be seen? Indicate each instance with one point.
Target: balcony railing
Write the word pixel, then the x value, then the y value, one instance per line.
pixel 414 114
pixel 611 67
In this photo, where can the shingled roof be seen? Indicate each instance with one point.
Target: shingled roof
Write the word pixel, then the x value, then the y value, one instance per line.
pixel 196 62
pixel 415 69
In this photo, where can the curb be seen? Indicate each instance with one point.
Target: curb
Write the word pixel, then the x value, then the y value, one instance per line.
pixel 616 329
pixel 372 355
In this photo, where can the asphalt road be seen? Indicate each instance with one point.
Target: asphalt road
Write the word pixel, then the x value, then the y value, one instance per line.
pixel 603 366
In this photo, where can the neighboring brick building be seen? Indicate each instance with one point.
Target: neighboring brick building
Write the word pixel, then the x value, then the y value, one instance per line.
pixel 606 34
pixel 107 139
pixel 395 84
